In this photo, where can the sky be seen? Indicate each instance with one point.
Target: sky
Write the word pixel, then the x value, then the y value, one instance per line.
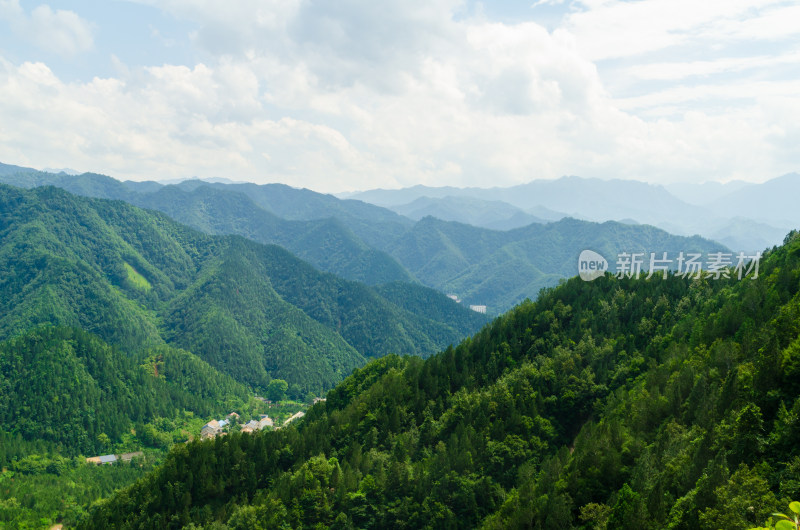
pixel 359 94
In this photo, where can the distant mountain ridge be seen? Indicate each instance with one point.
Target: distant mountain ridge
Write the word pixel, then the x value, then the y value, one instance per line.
pixel 328 243
pixel 767 207
pixel 235 209
pixel 369 243
pixel 496 215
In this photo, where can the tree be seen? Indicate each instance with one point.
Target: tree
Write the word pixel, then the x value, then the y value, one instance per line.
pixel 276 390
pixel 626 512
pixel 104 440
pixel 743 500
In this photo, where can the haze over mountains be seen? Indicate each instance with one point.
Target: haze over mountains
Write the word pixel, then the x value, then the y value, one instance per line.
pixel 375 245
pixel 743 216
pixel 496 215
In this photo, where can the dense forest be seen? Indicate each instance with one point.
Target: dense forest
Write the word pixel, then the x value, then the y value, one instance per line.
pixel 612 404
pixel 620 403
pixel 255 312
pixel 69 388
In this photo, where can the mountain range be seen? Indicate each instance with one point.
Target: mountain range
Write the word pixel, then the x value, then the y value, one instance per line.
pixel 496 215
pixel 374 245
pixel 743 216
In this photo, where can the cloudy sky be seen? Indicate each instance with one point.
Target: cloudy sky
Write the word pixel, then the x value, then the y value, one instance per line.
pixel 356 94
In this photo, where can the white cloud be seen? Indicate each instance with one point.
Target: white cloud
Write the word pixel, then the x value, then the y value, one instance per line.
pixel 10 9
pixel 62 32
pixel 619 28
pixel 360 94
pixel 170 122
pixel 59 31
pixel 538 3
pixel 777 20
pixel 674 71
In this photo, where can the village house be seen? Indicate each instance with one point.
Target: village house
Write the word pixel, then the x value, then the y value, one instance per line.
pixel 105 459
pixel 111 459
pixel 215 428
pixel 207 432
pixel 212 428
pixel 251 426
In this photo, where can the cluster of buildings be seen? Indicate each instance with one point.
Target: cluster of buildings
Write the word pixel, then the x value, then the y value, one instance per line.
pixel 216 428
pixel 254 425
pixel 211 429
pixel 476 308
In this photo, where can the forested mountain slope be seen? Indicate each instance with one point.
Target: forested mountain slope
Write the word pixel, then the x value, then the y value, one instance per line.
pixel 138 279
pixel 313 226
pixel 661 403
pixel 326 243
pixel 371 223
pixel 367 243
pixel 500 269
pixel 71 391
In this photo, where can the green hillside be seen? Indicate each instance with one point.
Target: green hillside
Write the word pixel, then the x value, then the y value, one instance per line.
pixel 312 226
pixel 66 395
pixel 500 269
pixel 71 390
pixel 233 317
pixel 138 279
pixel 371 223
pixel 662 403
pixel 326 243
pixel 101 303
